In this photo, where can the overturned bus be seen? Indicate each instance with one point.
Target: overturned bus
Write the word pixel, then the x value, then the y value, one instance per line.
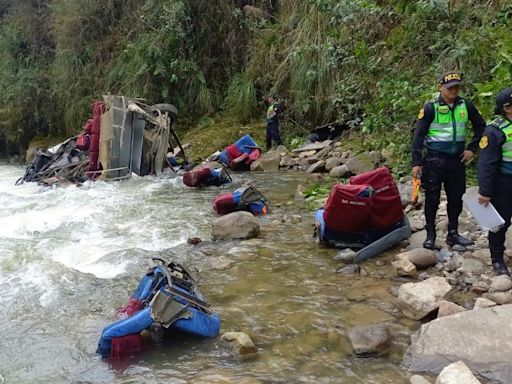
pixel 124 136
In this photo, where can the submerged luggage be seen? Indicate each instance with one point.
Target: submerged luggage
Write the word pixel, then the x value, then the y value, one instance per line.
pixel 386 202
pixel 348 208
pixel 246 198
pixel 224 203
pixel 203 177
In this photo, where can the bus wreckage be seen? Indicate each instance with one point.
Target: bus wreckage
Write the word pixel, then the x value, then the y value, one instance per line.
pixel 124 136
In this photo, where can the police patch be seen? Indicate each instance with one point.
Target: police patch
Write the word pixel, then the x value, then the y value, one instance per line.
pixel 421 114
pixel 484 142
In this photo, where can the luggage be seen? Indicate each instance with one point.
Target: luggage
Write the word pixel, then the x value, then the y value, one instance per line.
pixel 197 177
pixel 348 208
pixel 83 142
pixel 386 203
pixel 224 203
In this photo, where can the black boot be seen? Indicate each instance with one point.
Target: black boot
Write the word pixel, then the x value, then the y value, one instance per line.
pixel 498 264
pixel 454 238
pixel 430 241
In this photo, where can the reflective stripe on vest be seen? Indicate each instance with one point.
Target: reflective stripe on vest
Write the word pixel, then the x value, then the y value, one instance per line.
pixel 506 149
pixel 449 126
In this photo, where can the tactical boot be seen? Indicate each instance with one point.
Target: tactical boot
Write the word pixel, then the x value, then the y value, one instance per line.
pixel 454 238
pixel 498 264
pixel 430 241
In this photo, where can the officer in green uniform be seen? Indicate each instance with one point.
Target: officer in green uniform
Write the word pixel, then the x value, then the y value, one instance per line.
pixel 495 174
pixel 439 154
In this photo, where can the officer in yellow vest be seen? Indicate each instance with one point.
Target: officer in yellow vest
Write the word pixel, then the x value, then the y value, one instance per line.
pixel 495 173
pixel 273 112
pixel 439 154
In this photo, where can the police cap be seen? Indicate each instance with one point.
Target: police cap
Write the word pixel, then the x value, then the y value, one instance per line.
pixel 451 78
pixel 503 99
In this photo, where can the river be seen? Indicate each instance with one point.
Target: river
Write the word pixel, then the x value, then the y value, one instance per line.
pixel 70 256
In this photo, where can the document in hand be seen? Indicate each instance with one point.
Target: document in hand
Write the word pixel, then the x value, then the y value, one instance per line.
pixel 487 217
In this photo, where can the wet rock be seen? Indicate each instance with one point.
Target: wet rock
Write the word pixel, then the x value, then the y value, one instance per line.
pixel 331 163
pixel 404 267
pixel 456 373
pixel 480 287
pixel 269 162
pixel 360 163
pixel 483 339
pixel 499 297
pixel 317 167
pixel 447 308
pixel 345 255
pixel 349 269
pixel 236 225
pixel 287 162
pixel 340 171
pixel 417 379
pixel 370 340
pixel 240 342
pixel 422 258
pixel 419 299
pixel 482 302
pixel 193 240
pixel 500 283
pixel 470 266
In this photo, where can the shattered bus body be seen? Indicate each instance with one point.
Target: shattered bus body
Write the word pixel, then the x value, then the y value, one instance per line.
pixel 124 136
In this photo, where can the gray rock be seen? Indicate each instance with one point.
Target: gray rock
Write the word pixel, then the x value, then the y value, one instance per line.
pixel 422 258
pixel 349 269
pixel 447 308
pixel 417 379
pixel 482 254
pixel 470 266
pixel 482 302
pixel 316 146
pixel 500 283
pixel 458 248
pixel 317 167
pixel 416 240
pixel 480 287
pixel 370 340
pixel 499 297
pixel 240 342
pixel 375 157
pixel 269 162
pixel 331 163
pixel 340 171
pixel 236 225
pixel 287 162
pixel 404 268
pixel 417 300
pixel 457 373
pixel 405 193
pixel 345 255
pixel 508 239
pixel 360 163
pixel 482 339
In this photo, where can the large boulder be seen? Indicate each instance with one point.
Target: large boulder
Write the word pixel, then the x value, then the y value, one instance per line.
pixel 417 300
pixel 501 283
pixel 370 340
pixel 360 163
pixel 331 163
pixel 340 171
pixel 317 167
pixel 239 342
pixel 236 225
pixel 269 162
pixel 457 373
pixel 422 258
pixel 482 338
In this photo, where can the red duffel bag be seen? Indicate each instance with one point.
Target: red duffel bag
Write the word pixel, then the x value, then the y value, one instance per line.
pixel 348 208
pixel 196 177
pixel 387 204
pixel 224 203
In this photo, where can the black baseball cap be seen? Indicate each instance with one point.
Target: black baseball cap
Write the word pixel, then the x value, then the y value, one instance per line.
pixel 451 78
pixel 503 99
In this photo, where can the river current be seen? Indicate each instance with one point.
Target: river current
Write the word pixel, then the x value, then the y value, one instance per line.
pixel 70 256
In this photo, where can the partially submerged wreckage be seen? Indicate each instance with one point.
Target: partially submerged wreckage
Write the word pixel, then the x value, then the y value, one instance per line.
pixel 124 136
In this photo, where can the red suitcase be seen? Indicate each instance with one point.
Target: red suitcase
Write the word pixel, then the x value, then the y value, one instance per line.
pixel 224 203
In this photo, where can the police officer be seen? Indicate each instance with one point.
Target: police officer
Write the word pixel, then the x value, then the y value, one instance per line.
pixel 273 112
pixel 439 154
pixel 495 173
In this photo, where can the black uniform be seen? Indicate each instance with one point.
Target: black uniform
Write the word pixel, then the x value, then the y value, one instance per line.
pixel 440 168
pixel 273 126
pixel 494 184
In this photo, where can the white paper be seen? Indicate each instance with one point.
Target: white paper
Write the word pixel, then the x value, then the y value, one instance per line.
pixel 487 217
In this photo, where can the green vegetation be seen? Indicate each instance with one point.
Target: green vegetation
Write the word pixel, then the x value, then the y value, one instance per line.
pixel 367 63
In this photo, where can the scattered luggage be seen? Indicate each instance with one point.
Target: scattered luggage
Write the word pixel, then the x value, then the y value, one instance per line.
pixel 365 214
pixel 203 177
pixel 166 299
pixel 246 198
pixel 241 154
